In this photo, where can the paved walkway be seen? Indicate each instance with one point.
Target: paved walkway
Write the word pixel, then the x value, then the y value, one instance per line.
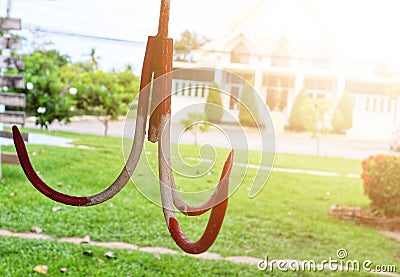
pixel 157 251
pixel 331 145
pixel 41 139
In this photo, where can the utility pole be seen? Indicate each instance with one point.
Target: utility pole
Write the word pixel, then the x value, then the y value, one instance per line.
pixel 9 4
pixel 10 63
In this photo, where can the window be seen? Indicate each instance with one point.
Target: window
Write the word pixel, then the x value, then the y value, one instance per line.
pixel 240 54
pixel 278 88
pixel 279 81
pixel 319 87
pixel 277 99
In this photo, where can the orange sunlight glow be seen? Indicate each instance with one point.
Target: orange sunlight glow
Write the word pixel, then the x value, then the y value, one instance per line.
pixel 364 30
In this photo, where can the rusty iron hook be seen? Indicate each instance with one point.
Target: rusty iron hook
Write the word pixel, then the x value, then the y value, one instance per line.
pixel 159 131
pixel 112 189
pixel 157 64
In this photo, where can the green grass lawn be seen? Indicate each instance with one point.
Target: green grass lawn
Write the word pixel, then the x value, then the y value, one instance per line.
pixel 288 220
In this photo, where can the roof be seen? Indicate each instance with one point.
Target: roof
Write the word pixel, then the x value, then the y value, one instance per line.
pixel 311 28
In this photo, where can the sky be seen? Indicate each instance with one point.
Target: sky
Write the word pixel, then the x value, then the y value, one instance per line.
pixel 366 27
pixel 131 20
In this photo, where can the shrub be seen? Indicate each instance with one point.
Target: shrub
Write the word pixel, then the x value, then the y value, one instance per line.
pixel 47 100
pixel 343 116
pixel 248 110
pixel 213 109
pixel 301 115
pixel 309 114
pixel 196 122
pixel 381 182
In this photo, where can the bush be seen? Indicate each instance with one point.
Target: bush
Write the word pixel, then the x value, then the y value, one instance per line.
pixel 248 110
pixel 381 182
pixel 309 114
pixel 196 122
pixel 343 116
pixel 301 115
pixel 213 109
pixel 48 100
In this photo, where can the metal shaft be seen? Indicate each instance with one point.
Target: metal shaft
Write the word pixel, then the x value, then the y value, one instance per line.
pixel 164 18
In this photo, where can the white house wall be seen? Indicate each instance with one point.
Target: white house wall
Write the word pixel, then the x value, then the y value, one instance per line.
pixel 311 56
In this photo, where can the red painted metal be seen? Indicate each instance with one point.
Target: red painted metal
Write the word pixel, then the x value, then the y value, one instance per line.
pixel 35 179
pixel 157 64
pixel 216 198
pixel 161 67
pixel 214 223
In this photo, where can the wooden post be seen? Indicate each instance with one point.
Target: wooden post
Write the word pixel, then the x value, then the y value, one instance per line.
pixel 2 110
pixel 7 62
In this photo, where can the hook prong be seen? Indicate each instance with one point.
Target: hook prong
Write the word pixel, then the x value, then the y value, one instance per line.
pixel 131 163
pixel 157 64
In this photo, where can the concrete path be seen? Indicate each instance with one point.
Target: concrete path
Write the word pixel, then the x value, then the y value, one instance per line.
pixel 158 251
pixel 41 139
pixel 331 145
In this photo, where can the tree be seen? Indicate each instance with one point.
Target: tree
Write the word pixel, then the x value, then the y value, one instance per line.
pixel 187 42
pixel 248 110
pixel 310 114
pixel 343 116
pixel 47 99
pixel 196 122
pixel 214 110
pixel 94 63
pixel 105 94
pixel 300 115
pixel 317 121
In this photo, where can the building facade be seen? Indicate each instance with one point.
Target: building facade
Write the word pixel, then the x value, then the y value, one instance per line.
pixel 283 59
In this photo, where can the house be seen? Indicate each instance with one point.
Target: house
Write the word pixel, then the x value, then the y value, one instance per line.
pixel 283 46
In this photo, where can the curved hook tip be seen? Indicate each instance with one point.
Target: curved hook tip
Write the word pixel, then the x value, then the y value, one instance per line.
pixel 14 129
pixel 228 165
pixel 215 221
pixel 34 178
pixel 218 195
